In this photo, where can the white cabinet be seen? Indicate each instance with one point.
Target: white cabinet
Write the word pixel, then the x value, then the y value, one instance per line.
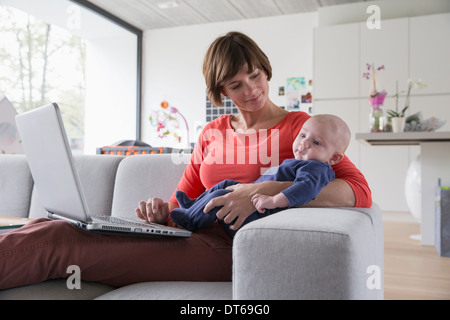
pixel 336 61
pixel 387 46
pixel 417 47
pixel 385 169
pixel 430 52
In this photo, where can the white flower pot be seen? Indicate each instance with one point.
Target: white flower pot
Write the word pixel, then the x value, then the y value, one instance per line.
pixel 398 124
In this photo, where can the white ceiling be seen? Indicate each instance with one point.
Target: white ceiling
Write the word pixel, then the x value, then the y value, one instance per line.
pixel 154 14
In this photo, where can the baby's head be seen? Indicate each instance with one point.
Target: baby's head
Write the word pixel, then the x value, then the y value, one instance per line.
pixel 323 137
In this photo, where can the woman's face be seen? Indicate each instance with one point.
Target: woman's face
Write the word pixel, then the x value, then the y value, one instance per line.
pixel 247 89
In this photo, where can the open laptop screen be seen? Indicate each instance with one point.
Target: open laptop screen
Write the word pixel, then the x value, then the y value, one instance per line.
pixel 51 163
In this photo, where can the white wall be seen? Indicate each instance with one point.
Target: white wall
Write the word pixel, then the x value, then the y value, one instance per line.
pixel 173 63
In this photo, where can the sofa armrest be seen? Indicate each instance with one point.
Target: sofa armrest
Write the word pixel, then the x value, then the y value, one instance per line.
pixel 310 253
pixel 16 184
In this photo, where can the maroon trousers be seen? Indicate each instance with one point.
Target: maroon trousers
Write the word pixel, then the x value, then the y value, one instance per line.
pixel 44 249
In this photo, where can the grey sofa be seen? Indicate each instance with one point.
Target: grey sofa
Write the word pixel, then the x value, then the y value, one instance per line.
pixel 307 253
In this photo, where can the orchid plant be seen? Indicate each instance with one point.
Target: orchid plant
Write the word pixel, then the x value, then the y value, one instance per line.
pixel 411 85
pixel 376 97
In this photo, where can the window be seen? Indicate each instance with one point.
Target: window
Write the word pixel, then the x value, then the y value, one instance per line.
pixel 66 52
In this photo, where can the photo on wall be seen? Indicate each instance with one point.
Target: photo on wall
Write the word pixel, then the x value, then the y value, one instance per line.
pixel 298 94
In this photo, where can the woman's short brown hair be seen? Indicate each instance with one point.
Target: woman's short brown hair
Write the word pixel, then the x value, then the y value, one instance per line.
pixel 224 59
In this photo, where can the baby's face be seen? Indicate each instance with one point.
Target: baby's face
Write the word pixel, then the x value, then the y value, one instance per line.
pixel 314 142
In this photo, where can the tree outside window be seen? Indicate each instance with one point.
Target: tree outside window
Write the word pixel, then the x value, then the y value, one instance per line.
pixel 42 63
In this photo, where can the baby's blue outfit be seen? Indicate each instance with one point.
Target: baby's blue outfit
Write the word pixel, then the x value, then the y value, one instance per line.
pixel 309 178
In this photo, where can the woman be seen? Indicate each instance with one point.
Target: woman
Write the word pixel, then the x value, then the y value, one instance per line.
pixel 234 66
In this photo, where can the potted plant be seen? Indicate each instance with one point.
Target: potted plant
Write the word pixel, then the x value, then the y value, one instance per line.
pixel 397 118
pixel 377 117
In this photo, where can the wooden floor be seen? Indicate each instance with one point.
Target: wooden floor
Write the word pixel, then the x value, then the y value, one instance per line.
pixel 412 271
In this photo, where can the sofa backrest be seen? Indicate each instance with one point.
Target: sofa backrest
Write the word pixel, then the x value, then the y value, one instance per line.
pixel 97 175
pixel 143 176
pixel 112 184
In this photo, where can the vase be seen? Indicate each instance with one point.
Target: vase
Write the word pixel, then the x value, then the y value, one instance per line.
pixel 377 119
pixel 398 124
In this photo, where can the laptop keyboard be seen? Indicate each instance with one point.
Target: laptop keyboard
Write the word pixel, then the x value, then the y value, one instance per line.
pixel 116 220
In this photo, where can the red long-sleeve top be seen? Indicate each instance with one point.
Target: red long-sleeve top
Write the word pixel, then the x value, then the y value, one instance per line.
pixel 222 153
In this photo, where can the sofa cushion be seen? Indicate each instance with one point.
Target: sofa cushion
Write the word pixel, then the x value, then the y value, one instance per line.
pixel 136 180
pixel 172 291
pixel 55 290
pixel 15 186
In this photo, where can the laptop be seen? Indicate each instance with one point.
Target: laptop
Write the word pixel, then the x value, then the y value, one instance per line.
pixel 57 181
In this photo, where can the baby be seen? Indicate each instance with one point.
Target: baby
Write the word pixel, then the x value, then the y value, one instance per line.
pixel 320 144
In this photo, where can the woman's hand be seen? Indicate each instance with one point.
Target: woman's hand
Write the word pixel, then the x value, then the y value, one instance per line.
pixel 154 210
pixel 236 204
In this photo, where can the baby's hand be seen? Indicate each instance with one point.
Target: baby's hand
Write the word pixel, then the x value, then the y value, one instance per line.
pixel 262 202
